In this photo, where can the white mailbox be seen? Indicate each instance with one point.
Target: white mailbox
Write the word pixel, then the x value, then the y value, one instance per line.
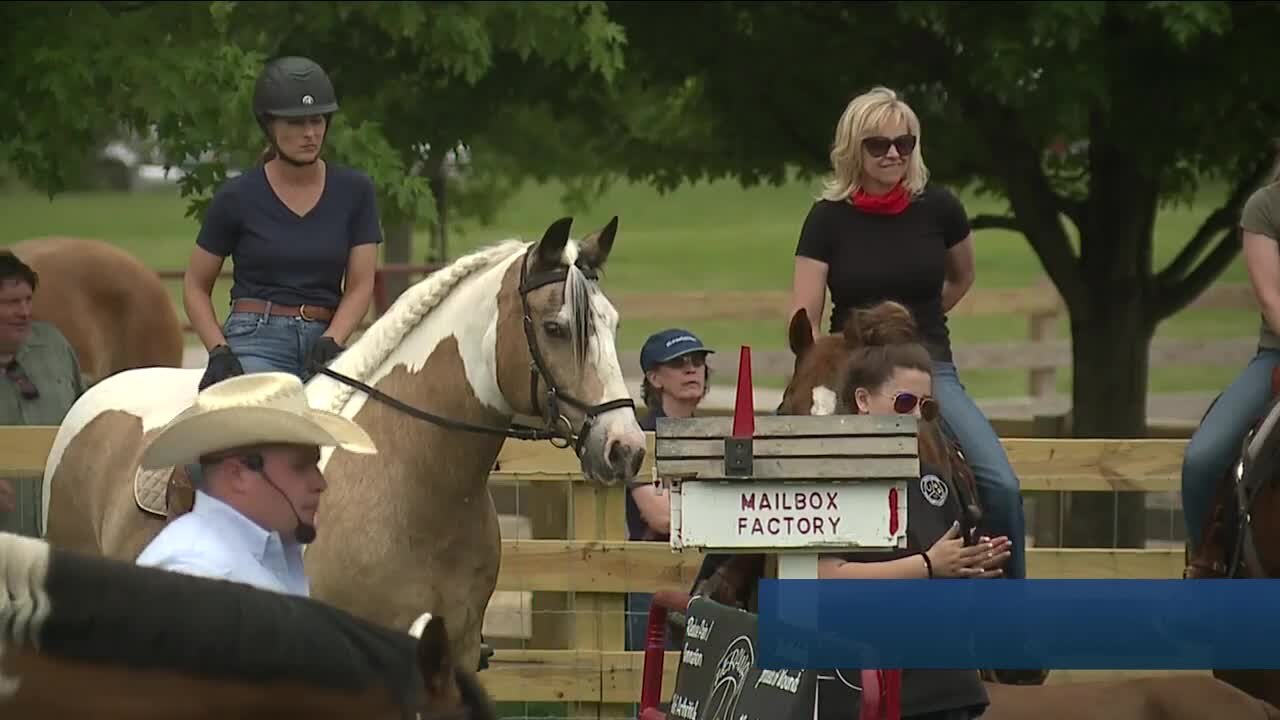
pixel 797 486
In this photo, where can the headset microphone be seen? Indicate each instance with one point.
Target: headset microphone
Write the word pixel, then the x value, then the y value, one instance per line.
pixel 303 532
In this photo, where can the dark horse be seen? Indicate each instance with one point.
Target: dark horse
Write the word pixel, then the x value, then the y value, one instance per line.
pixel 816 388
pixel 1242 532
pixel 85 636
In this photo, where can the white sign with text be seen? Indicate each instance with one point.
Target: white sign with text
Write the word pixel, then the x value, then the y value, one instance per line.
pixel 754 514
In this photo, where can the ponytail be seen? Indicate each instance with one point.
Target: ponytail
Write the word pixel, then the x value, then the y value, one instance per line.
pixel 268 154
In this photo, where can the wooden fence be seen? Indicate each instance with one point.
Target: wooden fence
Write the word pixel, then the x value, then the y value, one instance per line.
pixel 570 574
pixel 1041 355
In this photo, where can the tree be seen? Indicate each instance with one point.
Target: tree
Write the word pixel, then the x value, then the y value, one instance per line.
pixel 1161 97
pixel 415 80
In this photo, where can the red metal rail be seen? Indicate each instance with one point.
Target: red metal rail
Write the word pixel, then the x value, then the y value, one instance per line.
pixel 881 689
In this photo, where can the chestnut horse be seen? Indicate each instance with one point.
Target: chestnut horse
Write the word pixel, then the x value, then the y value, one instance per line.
pixel 1241 535
pixel 114 311
pixel 85 636
pixel 816 388
pixel 515 328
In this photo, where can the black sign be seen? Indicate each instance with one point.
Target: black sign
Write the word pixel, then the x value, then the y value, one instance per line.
pixel 718 678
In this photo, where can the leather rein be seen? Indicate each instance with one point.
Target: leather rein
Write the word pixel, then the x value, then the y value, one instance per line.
pixel 559 430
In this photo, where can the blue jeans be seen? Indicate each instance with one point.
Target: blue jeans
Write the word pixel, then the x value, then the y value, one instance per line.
pixel 998 488
pixel 1217 443
pixel 264 343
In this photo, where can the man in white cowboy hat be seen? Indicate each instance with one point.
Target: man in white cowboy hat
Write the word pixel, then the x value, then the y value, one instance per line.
pixel 258 444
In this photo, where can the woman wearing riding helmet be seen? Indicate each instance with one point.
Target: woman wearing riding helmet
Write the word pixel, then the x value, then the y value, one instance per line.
pixel 889 373
pixel 296 228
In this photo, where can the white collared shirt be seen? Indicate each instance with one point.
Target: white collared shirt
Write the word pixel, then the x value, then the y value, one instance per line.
pixel 215 540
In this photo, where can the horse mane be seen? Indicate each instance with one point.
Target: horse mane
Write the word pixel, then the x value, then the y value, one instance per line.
pixel 388 331
pixel 98 610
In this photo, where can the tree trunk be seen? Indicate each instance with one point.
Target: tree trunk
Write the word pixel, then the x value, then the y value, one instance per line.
pixel 1111 338
pixel 439 251
pixel 399 246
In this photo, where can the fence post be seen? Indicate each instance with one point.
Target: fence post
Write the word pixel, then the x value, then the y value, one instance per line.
pixel 1042 381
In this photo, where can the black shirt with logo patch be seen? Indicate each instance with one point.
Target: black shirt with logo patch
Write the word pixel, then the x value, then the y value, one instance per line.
pixel 932 506
pixel 871 258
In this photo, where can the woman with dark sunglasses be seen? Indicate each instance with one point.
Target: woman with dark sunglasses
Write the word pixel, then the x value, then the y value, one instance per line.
pixel 881 231
pixel 891 373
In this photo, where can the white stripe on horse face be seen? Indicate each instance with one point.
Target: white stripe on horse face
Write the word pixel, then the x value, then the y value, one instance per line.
pixel 824 401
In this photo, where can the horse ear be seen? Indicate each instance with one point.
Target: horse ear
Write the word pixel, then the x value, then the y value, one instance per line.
pixel 801 332
pixel 434 659
pixel 551 246
pixel 596 247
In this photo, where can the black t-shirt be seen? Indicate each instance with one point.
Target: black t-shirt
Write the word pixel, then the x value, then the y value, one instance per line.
pixel 901 257
pixel 284 258
pixel 932 506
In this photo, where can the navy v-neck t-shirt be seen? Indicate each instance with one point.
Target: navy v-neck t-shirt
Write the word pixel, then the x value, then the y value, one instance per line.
pixel 871 258
pixel 280 256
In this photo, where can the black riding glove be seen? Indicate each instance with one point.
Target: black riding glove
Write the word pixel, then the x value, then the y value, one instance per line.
pixel 322 353
pixel 222 365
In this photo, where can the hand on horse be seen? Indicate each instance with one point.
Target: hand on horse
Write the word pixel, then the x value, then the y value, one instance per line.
pixel 950 558
pixel 322 352
pixel 8 498
pixel 222 365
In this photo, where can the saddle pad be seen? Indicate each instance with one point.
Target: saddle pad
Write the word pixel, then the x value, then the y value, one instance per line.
pixel 149 488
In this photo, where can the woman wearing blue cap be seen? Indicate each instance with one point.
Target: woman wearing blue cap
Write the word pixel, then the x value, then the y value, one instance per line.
pixel 676 379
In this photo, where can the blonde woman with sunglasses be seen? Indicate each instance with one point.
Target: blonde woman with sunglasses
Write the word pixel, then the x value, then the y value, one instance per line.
pixel 881 231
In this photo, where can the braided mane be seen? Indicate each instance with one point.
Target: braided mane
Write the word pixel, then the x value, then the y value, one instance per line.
pixel 388 331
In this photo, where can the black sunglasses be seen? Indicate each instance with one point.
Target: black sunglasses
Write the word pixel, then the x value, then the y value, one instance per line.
pixel 878 145
pixel 19 377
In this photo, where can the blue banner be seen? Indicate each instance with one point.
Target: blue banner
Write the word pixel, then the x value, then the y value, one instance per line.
pixel 1002 623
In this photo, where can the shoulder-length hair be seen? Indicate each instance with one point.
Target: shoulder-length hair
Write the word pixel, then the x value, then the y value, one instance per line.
pixel 862 118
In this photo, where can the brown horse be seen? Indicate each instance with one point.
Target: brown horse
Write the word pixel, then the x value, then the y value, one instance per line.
pixel 816 387
pixel 1242 533
pixel 84 636
pixel 114 311
pixel 515 328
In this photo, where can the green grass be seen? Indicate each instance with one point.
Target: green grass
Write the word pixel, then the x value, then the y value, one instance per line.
pixel 708 236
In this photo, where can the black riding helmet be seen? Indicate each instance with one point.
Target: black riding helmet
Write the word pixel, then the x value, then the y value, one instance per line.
pixel 292 87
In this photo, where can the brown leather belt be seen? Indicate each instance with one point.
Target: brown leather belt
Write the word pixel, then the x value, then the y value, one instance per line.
pixel 306 312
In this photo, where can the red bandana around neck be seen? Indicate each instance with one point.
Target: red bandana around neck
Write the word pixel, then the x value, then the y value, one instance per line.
pixel 890 203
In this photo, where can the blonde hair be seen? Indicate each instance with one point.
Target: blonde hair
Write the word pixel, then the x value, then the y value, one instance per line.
pixel 861 119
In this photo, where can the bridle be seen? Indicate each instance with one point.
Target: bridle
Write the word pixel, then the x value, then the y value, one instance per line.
pixel 559 430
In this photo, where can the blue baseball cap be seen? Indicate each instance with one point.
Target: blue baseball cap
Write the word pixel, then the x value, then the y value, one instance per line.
pixel 668 345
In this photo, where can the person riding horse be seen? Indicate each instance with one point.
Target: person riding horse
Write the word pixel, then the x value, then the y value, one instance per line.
pixel 303 233
pixel 258 443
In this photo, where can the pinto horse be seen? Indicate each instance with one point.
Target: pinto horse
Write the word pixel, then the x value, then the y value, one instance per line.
pixel 1242 533
pixel 86 636
pixel 114 311
pixel 515 328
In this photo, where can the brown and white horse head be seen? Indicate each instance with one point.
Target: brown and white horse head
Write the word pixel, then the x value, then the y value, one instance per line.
pixel 818 376
pixel 557 355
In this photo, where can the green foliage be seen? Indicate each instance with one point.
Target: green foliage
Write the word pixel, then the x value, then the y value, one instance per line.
pixel 408 75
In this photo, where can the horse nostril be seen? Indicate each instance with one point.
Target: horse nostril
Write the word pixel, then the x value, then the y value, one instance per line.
pixel 614 453
pixel 637 459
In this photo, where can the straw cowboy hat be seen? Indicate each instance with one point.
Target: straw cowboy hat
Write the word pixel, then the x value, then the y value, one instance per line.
pixel 252 409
